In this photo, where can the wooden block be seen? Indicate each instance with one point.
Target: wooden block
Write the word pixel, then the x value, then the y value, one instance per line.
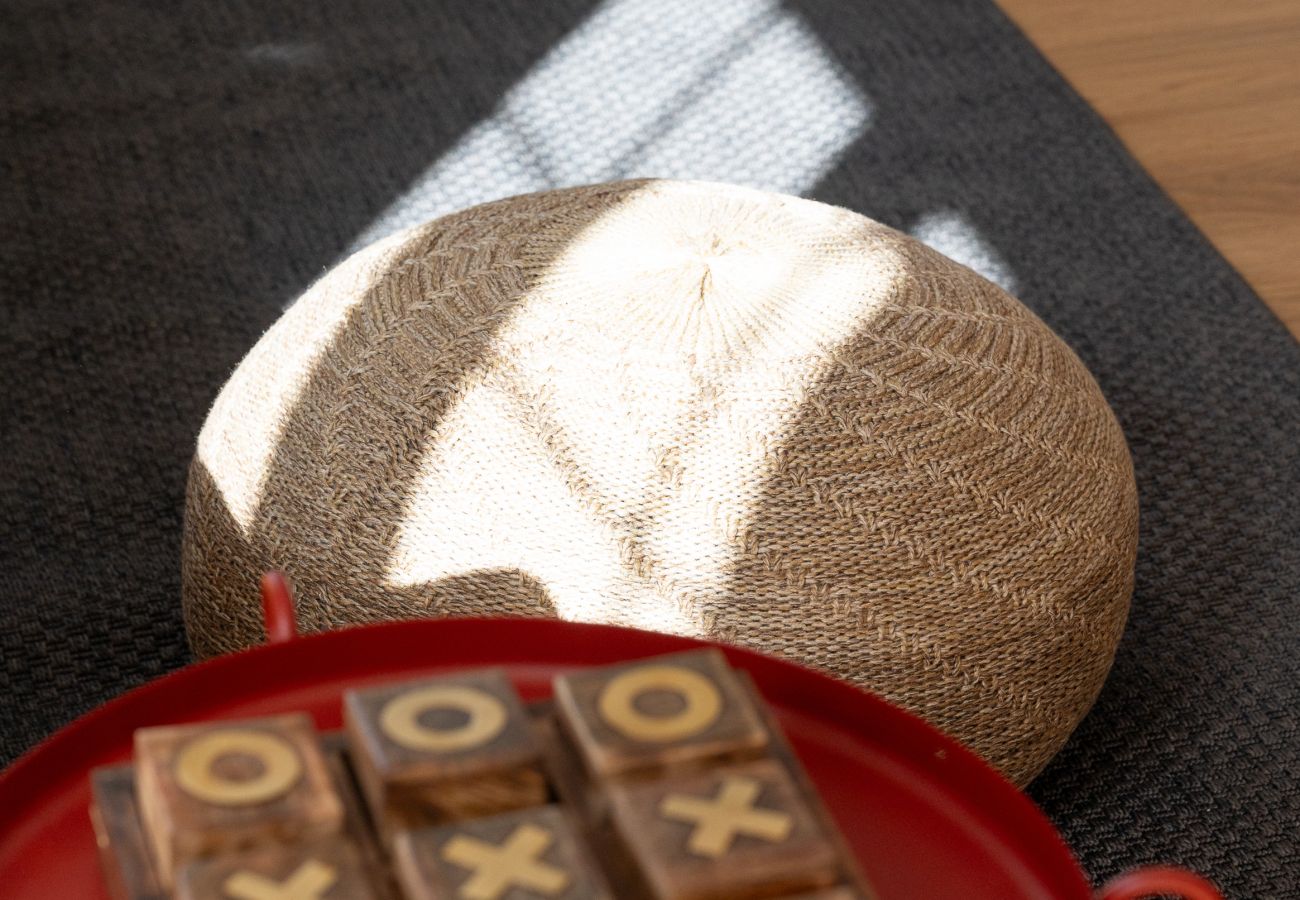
pixel 570 785
pixel 208 789
pixel 129 871
pixel 329 869
pixel 357 824
pixel 532 853
pixel 780 750
pixel 679 711
pixel 583 800
pixel 731 832
pixel 444 749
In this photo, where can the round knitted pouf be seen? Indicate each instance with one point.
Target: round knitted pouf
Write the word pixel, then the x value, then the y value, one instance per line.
pixel 693 408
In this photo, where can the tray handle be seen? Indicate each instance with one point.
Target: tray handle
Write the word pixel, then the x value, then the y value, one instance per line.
pixel 1159 881
pixel 277 608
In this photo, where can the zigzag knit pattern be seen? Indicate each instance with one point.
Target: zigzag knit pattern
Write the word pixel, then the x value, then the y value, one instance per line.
pixel 694 408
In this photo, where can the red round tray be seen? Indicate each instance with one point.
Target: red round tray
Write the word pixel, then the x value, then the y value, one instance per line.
pixel 926 818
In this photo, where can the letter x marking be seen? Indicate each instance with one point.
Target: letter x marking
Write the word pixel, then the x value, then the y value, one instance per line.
pixel 732 812
pixel 514 863
pixel 309 882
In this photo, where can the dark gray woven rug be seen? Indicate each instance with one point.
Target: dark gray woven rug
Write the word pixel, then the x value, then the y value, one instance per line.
pixel 174 174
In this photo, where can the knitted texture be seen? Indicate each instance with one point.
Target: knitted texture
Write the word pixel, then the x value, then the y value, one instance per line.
pixel 694 408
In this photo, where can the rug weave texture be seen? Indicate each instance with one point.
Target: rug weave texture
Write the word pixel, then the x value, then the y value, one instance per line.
pixel 172 176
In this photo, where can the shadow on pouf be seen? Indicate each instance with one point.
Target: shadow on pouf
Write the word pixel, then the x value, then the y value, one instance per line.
pixel 693 408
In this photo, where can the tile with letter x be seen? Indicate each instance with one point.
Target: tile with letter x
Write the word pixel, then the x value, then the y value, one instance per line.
pixel 203 790
pixel 531 854
pixel 331 869
pixel 678 711
pixel 731 832
pixel 443 749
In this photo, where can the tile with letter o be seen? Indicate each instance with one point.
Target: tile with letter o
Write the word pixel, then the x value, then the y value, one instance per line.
pixel 735 831
pixel 209 789
pixel 680 710
pixel 443 749
pixel 331 869
pixel 531 854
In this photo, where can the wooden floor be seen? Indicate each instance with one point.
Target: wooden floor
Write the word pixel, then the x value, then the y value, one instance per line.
pixel 1206 94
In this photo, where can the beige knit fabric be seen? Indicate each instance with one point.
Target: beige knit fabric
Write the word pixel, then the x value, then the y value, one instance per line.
pixel 694 408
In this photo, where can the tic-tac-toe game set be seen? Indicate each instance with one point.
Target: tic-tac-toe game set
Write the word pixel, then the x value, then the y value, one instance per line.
pixel 662 778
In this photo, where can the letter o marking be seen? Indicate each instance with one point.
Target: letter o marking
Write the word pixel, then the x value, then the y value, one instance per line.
pixel 281 767
pixel 703 703
pixel 400 718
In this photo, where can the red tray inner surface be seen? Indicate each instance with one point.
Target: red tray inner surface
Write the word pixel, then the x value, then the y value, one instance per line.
pixel 926 818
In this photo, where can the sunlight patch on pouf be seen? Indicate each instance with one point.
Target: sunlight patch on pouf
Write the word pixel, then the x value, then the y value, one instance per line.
pixel 694 408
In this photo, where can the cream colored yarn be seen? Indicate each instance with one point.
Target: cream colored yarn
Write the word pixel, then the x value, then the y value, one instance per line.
pixel 694 408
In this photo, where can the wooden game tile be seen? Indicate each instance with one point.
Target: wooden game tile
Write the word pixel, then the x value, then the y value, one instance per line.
pixel 564 769
pixel 583 800
pixel 531 854
pixel 357 824
pixel 208 789
pixel 329 869
pixel 124 855
pixel 780 750
pixel 675 711
pixel 443 749
pixel 731 832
